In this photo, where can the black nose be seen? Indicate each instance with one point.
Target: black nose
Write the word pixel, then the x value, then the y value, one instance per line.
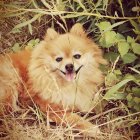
pixel 69 67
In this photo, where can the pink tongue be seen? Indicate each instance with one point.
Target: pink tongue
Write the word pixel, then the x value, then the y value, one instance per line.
pixel 69 76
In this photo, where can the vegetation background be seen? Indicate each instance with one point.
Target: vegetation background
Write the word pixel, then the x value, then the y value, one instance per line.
pixel 114 25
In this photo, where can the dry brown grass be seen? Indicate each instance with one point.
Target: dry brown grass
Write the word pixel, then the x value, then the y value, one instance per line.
pixel 32 124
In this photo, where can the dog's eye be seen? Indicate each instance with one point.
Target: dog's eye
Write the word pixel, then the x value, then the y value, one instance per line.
pixel 58 59
pixel 77 56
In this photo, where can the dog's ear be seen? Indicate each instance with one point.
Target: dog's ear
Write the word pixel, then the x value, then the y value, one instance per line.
pixel 78 30
pixel 50 34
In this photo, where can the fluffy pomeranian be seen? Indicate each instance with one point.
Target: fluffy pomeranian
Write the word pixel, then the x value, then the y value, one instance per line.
pixel 61 73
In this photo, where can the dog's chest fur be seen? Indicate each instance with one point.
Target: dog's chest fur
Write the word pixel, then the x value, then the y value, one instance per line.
pixel 78 94
pixel 69 96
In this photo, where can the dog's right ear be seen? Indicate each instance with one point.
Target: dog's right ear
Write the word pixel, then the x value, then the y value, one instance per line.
pixel 50 34
pixel 78 30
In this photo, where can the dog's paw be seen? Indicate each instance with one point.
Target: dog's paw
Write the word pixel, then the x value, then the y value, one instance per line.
pixel 93 131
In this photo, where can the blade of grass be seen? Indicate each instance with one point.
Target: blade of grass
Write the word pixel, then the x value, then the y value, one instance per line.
pixel 15 14
pixel 120 2
pixel 27 22
pixel 115 25
pixel 115 88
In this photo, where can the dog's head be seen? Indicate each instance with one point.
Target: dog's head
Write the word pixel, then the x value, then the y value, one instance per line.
pixel 69 54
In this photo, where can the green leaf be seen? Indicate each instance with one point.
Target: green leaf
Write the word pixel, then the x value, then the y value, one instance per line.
pixel 111 79
pixel 137 32
pixel 135 78
pixel 137 100
pixel 129 97
pixel 136 48
pixel 117 96
pixel 135 25
pixel 109 94
pixel 123 48
pixel 37 41
pixel 16 47
pixel 106 26
pixel 119 38
pixel 111 56
pixel 117 72
pixel 136 91
pixel 137 107
pixel 108 39
pixel 129 58
pixel 123 27
pixel 131 103
pixel 32 43
pixel 103 25
pixel 129 76
pixel 114 25
pixel 130 39
pixel 14 31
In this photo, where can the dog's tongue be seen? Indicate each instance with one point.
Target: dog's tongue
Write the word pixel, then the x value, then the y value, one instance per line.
pixel 69 76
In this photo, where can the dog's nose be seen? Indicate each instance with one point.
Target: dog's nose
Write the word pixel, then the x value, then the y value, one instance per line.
pixel 69 67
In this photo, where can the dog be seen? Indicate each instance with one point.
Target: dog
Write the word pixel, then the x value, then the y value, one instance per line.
pixel 61 73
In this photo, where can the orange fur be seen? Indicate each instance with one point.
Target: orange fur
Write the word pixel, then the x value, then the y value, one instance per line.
pixel 37 75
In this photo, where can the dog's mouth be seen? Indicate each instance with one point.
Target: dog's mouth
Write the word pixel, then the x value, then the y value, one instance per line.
pixel 71 75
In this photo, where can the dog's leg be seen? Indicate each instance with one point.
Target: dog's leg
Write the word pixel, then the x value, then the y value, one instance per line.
pixel 75 121
pixel 67 118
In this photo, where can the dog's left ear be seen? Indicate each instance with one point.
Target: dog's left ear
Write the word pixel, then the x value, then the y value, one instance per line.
pixel 50 34
pixel 78 30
